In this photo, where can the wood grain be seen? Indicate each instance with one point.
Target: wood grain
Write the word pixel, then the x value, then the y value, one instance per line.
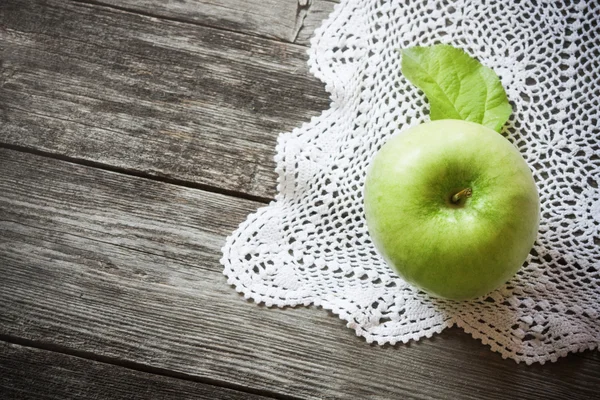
pixel 316 13
pixel 127 268
pixel 155 97
pixel 29 373
pixel 278 19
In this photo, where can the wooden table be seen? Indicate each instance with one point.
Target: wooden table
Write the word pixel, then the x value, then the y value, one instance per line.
pixel 134 136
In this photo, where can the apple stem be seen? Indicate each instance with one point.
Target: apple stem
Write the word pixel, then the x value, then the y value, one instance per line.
pixel 463 193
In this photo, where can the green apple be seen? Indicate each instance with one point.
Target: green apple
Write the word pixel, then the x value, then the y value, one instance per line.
pixel 452 207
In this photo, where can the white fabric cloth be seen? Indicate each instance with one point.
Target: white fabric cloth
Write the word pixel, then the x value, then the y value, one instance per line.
pixel 311 245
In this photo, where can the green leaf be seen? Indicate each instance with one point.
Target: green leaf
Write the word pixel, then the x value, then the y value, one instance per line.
pixel 457 85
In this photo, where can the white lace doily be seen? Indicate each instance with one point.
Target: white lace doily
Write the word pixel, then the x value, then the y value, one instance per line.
pixel 311 245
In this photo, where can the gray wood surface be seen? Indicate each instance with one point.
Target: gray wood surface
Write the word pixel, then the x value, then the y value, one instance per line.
pixel 317 12
pixel 150 96
pixel 114 274
pixel 127 269
pixel 29 373
pixel 279 19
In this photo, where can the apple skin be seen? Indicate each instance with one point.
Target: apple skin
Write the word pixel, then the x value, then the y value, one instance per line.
pixel 451 250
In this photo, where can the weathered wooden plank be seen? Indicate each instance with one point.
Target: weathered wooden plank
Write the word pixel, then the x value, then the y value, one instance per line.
pixel 127 268
pixel 152 96
pixel 278 19
pixel 315 14
pixel 28 373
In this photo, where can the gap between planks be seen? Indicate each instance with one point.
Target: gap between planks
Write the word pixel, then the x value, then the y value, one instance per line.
pixel 35 344
pixel 302 12
pixel 138 174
